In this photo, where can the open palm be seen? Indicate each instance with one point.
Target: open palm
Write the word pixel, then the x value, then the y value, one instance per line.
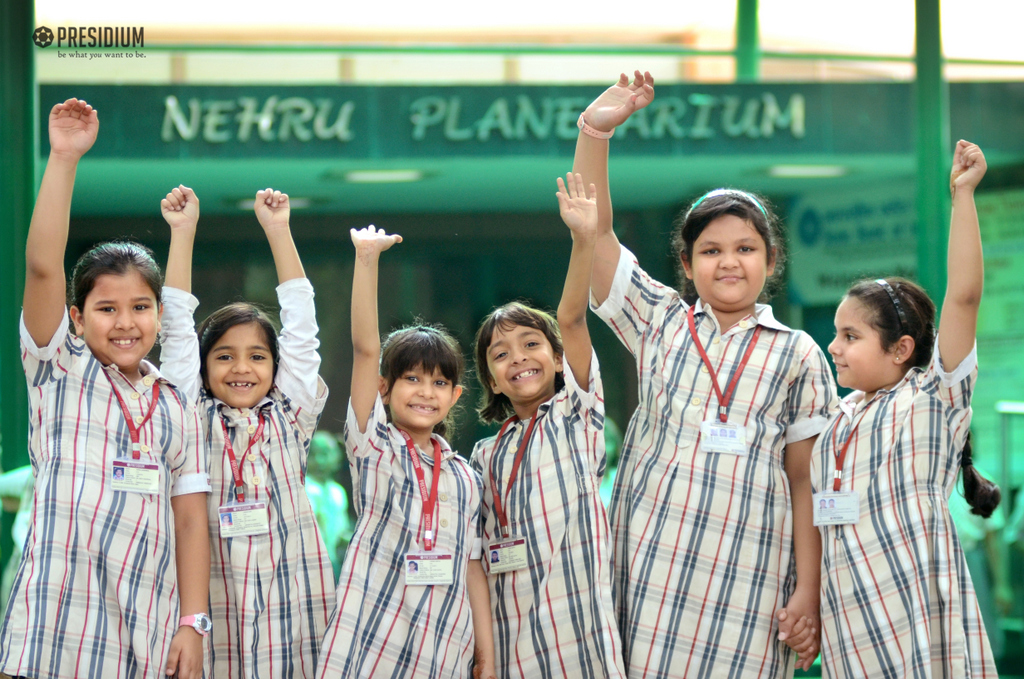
pixel 373 240
pixel 618 102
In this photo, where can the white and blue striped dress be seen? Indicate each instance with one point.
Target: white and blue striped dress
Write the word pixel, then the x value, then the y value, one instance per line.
pixel 96 594
pixel 271 594
pixel 555 618
pixel 703 541
pixel 381 628
pixel 896 596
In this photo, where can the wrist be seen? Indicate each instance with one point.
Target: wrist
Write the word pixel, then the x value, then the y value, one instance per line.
pixel 199 623
pixel 588 129
pixel 67 159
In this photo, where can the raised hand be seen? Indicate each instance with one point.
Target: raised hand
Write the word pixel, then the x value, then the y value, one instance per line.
pixel 272 209
pixel 372 241
pixel 618 102
pixel 577 207
pixel 968 166
pixel 73 127
pixel 180 208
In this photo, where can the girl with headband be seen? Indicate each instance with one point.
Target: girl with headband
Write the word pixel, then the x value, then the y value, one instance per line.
pixel 889 459
pixel 716 558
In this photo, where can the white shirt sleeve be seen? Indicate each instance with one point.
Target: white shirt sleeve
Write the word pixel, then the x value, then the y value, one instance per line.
pixel 179 344
pixel 298 367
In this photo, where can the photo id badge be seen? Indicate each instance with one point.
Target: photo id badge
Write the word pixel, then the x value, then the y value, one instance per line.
pixel 723 437
pixel 245 518
pixel 507 554
pixel 836 509
pixel 135 476
pixel 429 568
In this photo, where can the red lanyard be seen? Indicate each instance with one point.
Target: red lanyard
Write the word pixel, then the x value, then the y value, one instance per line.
pixel 429 499
pixel 523 445
pixel 133 429
pixel 236 472
pixel 723 401
pixel 841 455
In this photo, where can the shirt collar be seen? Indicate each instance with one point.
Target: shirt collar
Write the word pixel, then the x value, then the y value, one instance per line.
pixel 235 415
pixel 149 373
pixel 763 315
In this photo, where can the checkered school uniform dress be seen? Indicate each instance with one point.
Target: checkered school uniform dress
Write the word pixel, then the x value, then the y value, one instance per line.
pixel 703 541
pixel 896 596
pixel 555 618
pixel 271 594
pixel 96 594
pixel 381 628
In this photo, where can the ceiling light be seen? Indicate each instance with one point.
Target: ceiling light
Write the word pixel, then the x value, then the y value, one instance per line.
pixel 806 171
pixel 383 176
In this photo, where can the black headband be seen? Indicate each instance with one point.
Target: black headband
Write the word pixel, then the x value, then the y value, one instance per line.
pixel 896 303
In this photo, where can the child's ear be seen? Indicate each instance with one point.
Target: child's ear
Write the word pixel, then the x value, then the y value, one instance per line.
pixel 456 393
pixel 559 365
pixel 494 385
pixel 687 267
pixel 382 387
pixel 771 262
pixel 904 350
pixel 78 319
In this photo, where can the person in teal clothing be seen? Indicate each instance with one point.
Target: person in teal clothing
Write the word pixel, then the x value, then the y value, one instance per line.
pixel 329 499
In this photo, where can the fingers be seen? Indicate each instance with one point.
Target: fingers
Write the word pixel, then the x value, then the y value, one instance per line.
pixel 784 624
pixel 271 198
pixel 172 659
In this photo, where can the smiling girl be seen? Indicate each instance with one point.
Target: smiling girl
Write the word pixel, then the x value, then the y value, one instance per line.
pixel 544 524
pixel 412 596
pixel 117 553
pixel 889 460
pixel 712 500
pixel 260 398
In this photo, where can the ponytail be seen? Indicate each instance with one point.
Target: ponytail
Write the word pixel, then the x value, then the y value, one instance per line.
pixel 981 494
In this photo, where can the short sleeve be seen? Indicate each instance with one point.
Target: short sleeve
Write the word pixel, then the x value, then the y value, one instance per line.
pixel 179 344
pixel 299 360
pixel 191 466
pixel 374 440
pixel 812 395
pixel 953 388
pixel 306 418
pixel 583 411
pixel 636 302
pixel 53 362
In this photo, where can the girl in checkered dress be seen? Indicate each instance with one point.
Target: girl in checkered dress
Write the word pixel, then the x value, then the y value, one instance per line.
pixel 117 550
pixel 897 598
pixel 412 597
pixel 260 397
pixel 547 532
pixel 716 558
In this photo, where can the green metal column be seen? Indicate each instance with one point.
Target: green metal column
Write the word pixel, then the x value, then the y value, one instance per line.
pixel 17 177
pixel 748 42
pixel 934 154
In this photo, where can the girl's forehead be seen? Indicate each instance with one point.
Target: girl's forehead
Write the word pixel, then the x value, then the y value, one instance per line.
pixel 506 334
pixel 131 285
pixel 243 334
pixel 852 311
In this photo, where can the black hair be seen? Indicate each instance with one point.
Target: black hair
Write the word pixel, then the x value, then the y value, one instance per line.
pixel 423 346
pixel 117 258
pixel 884 315
pixel 497 407
pixel 227 317
pixel 981 494
pixel 747 206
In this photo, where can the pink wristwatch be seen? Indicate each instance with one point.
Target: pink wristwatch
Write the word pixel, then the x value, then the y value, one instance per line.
pixel 200 622
pixel 587 129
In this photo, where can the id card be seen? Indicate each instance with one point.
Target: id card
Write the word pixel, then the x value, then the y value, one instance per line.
pixel 241 519
pixel 429 568
pixel 508 554
pixel 129 475
pixel 723 437
pixel 836 509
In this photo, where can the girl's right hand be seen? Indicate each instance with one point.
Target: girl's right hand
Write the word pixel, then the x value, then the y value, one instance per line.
pixel 618 102
pixel 73 127
pixel 180 208
pixel 372 240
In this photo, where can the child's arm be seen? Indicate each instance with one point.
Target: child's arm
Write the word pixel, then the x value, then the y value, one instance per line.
pixel 192 555
pixel 179 345
pixel 965 273
pixel 369 243
pixel 798 621
pixel 73 126
pixel 607 112
pixel 480 605
pixel 580 214
pixel 273 212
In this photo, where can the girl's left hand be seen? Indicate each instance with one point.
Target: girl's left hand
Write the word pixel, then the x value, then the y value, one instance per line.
pixel 968 166
pixel 578 210
pixel 180 208
pixel 185 659
pixel 272 209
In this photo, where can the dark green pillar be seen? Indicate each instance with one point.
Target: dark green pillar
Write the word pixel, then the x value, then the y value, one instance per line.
pixel 934 154
pixel 748 42
pixel 17 177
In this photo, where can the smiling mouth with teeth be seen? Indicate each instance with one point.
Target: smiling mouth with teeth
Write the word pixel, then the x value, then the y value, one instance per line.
pixel 526 373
